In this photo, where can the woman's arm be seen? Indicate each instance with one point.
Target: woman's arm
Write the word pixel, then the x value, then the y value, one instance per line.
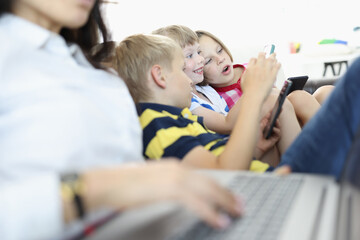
pixel 130 186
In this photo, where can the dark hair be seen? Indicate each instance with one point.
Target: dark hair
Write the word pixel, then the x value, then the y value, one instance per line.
pixel 104 52
pixel 5 6
pixel 86 37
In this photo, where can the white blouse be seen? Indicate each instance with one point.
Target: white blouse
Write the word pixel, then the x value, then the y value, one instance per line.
pixel 57 114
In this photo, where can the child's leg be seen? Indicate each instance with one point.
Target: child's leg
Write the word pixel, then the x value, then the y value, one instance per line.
pixel 324 142
pixel 290 127
pixel 305 105
pixel 272 157
pixel 322 93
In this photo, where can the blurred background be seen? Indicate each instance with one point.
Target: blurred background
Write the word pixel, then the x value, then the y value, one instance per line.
pixel 295 27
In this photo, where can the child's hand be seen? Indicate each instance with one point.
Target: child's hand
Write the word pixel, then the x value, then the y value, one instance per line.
pixel 263 144
pixel 260 75
pixel 283 170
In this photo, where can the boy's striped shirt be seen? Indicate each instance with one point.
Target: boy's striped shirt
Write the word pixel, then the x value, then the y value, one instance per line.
pixel 173 132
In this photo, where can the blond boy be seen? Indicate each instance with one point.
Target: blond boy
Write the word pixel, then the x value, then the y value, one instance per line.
pixel 213 108
pixel 152 67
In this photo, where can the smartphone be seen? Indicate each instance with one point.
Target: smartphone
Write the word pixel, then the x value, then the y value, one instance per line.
pixel 269 49
pixel 298 83
pixel 277 109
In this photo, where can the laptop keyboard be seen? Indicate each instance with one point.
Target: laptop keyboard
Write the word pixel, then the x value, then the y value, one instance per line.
pixel 267 201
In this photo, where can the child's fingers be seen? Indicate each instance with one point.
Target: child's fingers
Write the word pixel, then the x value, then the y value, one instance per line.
pixel 277 123
pixel 276 68
pixel 272 61
pixel 276 132
pixel 272 56
pixel 283 170
pixel 261 55
pixel 268 115
pixel 261 58
pixel 251 62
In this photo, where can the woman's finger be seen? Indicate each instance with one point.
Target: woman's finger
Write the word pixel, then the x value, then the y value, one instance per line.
pixel 214 194
pixel 205 210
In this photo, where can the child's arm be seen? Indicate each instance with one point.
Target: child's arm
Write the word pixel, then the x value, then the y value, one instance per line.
pixel 216 121
pixel 239 149
pixel 263 144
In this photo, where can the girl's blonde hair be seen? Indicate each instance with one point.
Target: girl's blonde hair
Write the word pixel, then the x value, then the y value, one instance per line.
pixel 181 34
pixel 201 33
pixel 135 56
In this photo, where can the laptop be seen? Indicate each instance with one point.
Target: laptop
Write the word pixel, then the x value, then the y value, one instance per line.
pixel 298 206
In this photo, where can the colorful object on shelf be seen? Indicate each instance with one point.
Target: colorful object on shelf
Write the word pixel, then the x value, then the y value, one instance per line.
pixel 332 41
pixel 295 47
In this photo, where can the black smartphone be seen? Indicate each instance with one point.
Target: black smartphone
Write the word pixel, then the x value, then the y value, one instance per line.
pixel 298 83
pixel 277 108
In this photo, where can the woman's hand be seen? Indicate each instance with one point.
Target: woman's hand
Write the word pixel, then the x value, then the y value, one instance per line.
pixel 135 185
pixel 263 144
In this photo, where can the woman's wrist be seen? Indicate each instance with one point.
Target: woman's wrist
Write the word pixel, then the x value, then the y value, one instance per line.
pixel 73 194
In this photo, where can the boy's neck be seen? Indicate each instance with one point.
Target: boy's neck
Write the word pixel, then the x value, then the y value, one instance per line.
pixel 160 102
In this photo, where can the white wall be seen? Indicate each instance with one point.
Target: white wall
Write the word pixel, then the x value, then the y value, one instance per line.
pixel 244 26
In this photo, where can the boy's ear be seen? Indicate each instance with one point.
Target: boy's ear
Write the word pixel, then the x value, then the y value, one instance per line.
pixel 157 75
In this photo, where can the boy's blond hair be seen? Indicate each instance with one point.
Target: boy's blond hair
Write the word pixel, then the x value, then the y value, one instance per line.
pixel 216 39
pixel 181 34
pixel 135 56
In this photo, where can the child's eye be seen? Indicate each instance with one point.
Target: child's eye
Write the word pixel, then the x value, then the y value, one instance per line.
pixel 208 61
pixel 220 50
pixel 189 56
pixel 199 52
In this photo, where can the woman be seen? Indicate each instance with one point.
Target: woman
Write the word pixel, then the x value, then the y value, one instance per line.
pixel 61 114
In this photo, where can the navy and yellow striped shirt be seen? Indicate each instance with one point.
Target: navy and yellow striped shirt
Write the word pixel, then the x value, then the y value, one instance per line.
pixel 173 132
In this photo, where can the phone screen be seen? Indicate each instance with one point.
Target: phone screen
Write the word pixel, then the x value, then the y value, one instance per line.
pixel 269 49
pixel 277 109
